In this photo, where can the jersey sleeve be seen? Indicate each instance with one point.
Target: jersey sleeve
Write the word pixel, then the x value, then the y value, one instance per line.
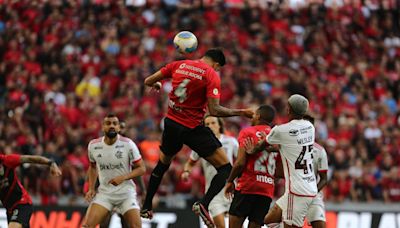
pixel 274 136
pixel 90 153
pixel 323 161
pixel 168 69
pixel 194 156
pixel 213 85
pixel 134 153
pixel 11 160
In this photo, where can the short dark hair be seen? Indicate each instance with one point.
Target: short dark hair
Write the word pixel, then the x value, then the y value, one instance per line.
pixel 220 122
pixel 111 115
pixel 309 118
pixel 217 55
pixel 267 113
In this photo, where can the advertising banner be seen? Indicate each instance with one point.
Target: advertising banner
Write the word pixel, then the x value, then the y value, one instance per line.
pixel 71 217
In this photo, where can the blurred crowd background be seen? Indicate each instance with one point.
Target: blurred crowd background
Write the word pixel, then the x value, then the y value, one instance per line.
pixel 65 64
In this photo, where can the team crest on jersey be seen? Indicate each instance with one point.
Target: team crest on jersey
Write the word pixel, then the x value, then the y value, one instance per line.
pixel 118 154
pixel 294 132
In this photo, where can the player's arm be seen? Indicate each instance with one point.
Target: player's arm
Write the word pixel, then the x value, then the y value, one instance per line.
pixel 139 180
pixel 138 169
pixel 323 180
pixel 322 170
pixel 217 110
pixel 36 159
pixel 187 168
pixel 154 80
pixel 236 171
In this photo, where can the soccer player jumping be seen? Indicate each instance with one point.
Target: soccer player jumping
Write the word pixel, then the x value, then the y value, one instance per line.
pixel 196 85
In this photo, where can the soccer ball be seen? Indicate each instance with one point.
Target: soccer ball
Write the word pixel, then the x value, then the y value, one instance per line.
pixel 185 42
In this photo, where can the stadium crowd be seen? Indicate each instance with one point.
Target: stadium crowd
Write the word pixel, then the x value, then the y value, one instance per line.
pixel 65 64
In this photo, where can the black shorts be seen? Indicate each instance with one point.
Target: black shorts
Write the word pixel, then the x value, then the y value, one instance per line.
pixel 21 214
pixel 255 207
pixel 200 139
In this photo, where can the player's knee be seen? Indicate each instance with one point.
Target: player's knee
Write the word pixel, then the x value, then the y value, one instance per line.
pixel 225 170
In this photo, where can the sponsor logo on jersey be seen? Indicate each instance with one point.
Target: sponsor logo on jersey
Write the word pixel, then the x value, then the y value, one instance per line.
pixel 118 154
pixel 119 146
pixel 264 179
pixel 110 166
pixel 294 132
pixel 98 148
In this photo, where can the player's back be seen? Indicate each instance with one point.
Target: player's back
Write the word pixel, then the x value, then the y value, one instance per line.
pixel 193 81
pixel 258 174
pixel 296 139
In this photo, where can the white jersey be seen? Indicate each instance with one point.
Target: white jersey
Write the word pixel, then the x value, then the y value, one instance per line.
pixel 230 145
pixel 295 140
pixel 112 161
pixel 320 162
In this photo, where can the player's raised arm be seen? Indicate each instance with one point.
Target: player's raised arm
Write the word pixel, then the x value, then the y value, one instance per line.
pixel 218 110
pixel 154 80
pixel 42 160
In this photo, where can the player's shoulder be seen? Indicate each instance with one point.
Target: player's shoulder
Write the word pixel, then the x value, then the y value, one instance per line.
pixel 124 139
pixel 95 141
pixel 247 130
pixel 319 148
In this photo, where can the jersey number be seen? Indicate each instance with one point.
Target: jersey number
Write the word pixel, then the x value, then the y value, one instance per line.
pixel 259 164
pixel 301 163
pixel 180 91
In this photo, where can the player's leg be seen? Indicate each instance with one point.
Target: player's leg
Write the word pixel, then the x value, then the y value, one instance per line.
pixel 20 216
pixel 296 211
pixel 15 225
pixel 98 210
pixel 95 214
pixel 274 215
pixel 239 210
pixel 219 206
pixel 318 224
pixel 219 220
pixel 129 208
pixel 132 218
pixel 202 140
pixel 171 144
pixel 206 144
pixel 260 207
pixel 316 214
pixel 235 221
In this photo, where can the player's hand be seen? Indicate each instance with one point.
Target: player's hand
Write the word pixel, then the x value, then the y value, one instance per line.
pixel 54 170
pixel 249 145
pixel 229 189
pixel 156 86
pixel 248 113
pixel 90 195
pixel 185 176
pixel 117 180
